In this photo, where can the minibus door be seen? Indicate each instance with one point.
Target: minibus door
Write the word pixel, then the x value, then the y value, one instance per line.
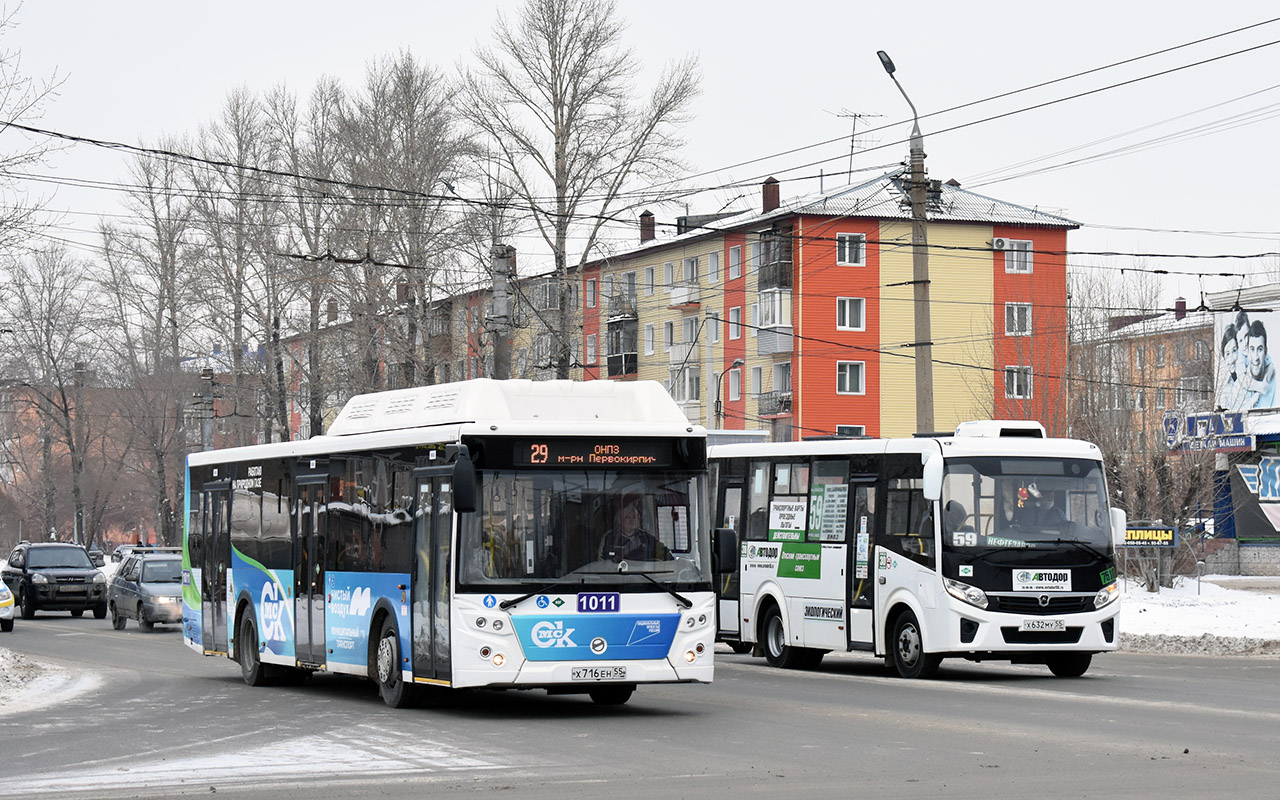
pixel 431 585
pixel 729 505
pixel 862 587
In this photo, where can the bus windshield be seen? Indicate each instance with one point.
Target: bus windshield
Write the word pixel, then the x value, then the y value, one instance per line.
pixel 585 527
pixel 1024 503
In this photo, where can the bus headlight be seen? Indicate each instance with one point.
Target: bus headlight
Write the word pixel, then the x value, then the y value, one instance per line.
pixel 1105 596
pixel 966 593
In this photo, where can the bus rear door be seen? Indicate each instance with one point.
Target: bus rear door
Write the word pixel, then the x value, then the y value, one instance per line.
pixel 309 560
pixel 217 560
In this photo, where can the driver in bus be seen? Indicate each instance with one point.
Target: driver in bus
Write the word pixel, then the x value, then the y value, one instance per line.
pixel 627 540
pixel 1036 509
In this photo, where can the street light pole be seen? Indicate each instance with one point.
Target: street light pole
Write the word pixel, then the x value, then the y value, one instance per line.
pixel 737 362
pixel 919 264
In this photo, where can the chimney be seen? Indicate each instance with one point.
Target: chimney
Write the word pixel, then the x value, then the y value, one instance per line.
pixel 646 227
pixel 1180 308
pixel 770 195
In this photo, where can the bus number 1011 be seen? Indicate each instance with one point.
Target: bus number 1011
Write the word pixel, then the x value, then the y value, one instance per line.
pixel 589 602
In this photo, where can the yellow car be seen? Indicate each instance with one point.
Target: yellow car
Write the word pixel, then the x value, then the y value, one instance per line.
pixel 6 608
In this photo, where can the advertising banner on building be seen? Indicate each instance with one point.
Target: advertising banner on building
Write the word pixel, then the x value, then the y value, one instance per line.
pixel 1244 368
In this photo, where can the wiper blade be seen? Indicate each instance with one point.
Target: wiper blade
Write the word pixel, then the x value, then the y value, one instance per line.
pixel 505 604
pixel 686 602
pixel 1088 548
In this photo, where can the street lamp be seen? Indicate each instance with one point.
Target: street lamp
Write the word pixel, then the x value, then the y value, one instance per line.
pixel 919 263
pixel 737 362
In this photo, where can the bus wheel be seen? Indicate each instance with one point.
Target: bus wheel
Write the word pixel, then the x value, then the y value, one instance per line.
pixel 773 636
pixel 1069 665
pixel 386 667
pixel 909 657
pixel 252 669
pixel 612 695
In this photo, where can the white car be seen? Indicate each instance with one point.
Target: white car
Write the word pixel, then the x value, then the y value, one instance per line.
pixel 7 607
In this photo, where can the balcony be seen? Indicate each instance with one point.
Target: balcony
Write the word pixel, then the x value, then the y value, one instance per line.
pixel 775 404
pixel 623 307
pixel 775 275
pixel 771 341
pixel 620 364
pixel 682 353
pixel 685 294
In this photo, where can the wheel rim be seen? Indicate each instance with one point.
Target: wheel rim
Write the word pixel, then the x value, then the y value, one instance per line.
pixel 909 644
pixel 775 638
pixel 386 656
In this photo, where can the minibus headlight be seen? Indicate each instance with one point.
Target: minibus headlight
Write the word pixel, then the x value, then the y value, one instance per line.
pixel 966 593
pixel 1105 596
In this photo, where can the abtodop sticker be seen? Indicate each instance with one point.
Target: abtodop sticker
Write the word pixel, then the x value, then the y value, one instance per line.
pixel 1042 580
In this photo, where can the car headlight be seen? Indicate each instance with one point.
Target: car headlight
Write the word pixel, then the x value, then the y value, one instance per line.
pixel 4 592
pixel 39 577
pixel 98 577
pixel 1105 596
pixel 966 593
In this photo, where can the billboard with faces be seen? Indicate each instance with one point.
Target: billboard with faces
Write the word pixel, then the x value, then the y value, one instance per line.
pixel 1244 364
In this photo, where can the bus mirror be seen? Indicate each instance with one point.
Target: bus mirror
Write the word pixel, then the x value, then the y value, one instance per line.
pixel 1119 523
pixel 464 483
pixel 933 477
pixel 724 550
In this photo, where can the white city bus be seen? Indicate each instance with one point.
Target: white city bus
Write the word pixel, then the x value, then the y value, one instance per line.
pixel 451 535
pixel 993 544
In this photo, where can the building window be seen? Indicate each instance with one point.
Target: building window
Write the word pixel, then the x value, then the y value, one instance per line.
pixel 757 380
pixel 755 319
pixel 1017 255
pixel 648 340
pixel 851 249
pixel 755 256
pixel 735 262
pixel 691 270
pixel 668 334
pixel 782 378
pixel 735 322
pixel 591 348
pixel 1017 319
pixel 849 377
pixel 735 384
pixel 775 308
pixel 1140 356
pixel 1162 399
pixel 715 329
pixel 715 266
pixel 1201 350
pixel 851 430
pixel 1160 354
pixel 850 313
pixel 1017 383
pixel 648 279
pixel 591 293
pixel 669 274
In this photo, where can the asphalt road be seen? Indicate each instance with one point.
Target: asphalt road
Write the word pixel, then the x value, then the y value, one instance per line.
pixel 164 721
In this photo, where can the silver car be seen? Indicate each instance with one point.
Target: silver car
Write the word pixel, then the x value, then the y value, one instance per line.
pixel 7 606
pixel 148 588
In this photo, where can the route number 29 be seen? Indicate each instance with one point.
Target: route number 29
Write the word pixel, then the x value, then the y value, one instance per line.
pixel 537 454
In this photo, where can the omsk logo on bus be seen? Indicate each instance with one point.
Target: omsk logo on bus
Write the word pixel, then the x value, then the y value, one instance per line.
pixel 275 616
pixel 548 634
pixel 577 637
pixel 1028 580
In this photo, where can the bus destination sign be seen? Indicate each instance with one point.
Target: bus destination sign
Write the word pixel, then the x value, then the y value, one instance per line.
pixel 591 452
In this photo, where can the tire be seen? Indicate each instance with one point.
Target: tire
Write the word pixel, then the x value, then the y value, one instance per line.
pixel 385 669
pixel 77 612
pixel 254 672
pixel 28 605
pixel 910 658
pixel 6 625
pixel 741 648
pixel 117 621
pixel 614 695
pixel 773 638
pixel 100 611
pixel 1069 665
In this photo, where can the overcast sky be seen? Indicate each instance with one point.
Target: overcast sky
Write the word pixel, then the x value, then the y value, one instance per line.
pixel 1199 154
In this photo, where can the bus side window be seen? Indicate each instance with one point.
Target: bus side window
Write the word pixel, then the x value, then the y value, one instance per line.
pixel 758 502
pixel 909 524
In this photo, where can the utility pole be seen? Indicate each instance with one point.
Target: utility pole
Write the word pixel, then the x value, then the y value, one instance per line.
pixel 206 423
pixel 709 347
pixel 500 323
pixel 919 193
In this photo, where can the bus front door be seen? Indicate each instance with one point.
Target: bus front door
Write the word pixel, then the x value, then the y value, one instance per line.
pixel 861 585
pixel 308 575
pixel 727 588
pixel 217 560
pixel 433 542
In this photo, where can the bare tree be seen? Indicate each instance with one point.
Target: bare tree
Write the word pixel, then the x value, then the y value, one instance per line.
pixel 555 98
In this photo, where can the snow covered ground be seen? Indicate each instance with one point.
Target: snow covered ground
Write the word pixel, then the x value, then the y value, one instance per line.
pixel 1212 618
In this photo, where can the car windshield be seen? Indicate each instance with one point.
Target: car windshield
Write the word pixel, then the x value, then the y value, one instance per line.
pixel 167 570
pixel 58 558
pixel 585 527
pixel 1024 503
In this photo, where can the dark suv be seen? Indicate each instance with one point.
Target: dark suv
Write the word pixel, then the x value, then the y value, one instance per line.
pixel 55 577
